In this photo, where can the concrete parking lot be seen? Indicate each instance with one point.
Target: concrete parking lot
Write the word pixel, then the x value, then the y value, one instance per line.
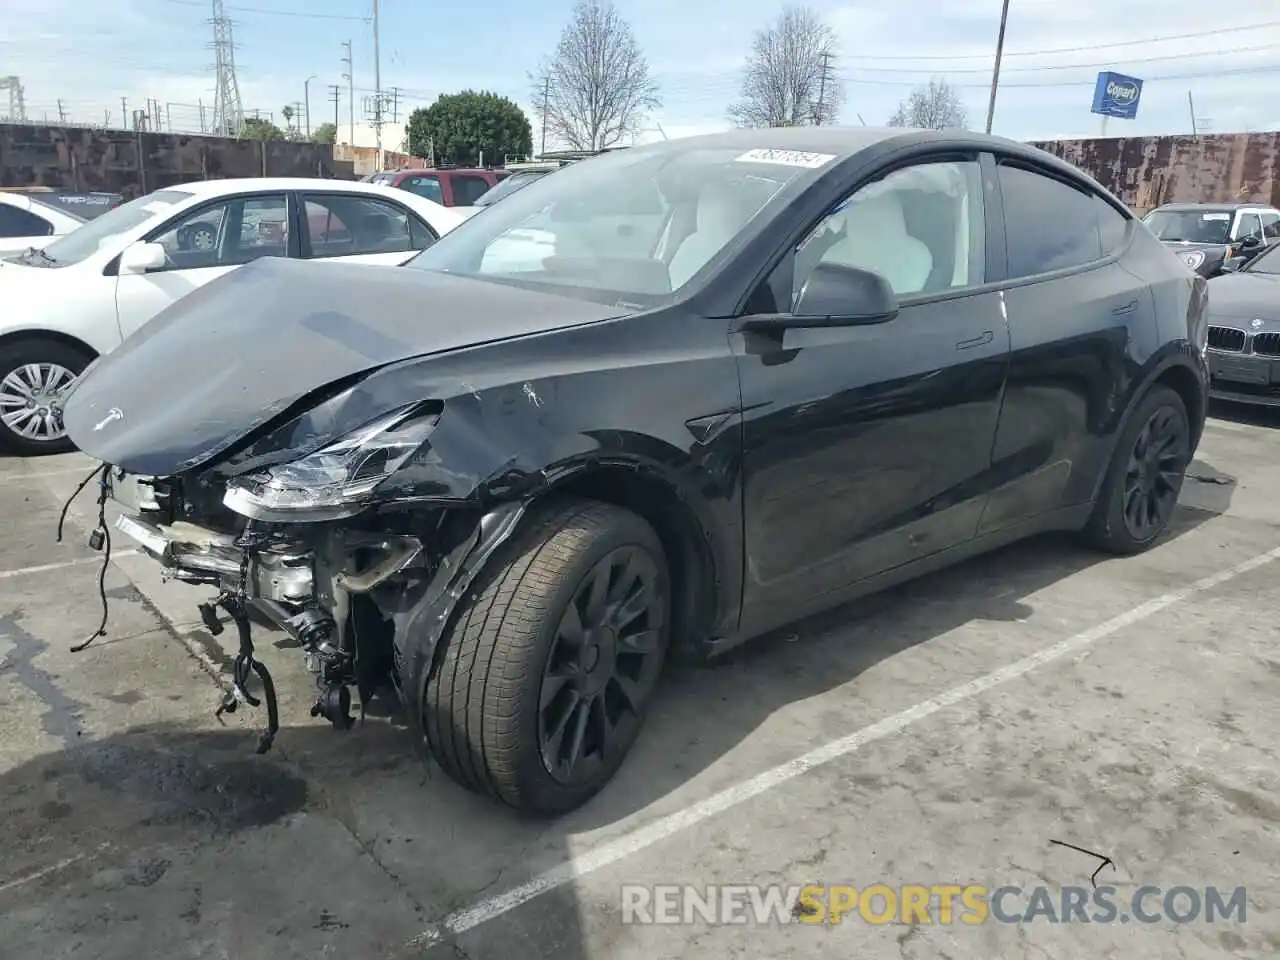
pixel 944 733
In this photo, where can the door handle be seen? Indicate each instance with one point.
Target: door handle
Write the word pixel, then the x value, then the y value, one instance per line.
pixel 1125 309
pixel 978 341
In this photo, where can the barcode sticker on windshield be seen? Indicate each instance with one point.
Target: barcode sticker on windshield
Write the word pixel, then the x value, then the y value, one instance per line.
pixel 786 158
pixel 1215 216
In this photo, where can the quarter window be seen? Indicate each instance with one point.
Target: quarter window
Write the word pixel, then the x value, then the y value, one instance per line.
pixel 468 188
pixel 922 228
pixel 1049 224
pixel 1271 225
pixel 1113 226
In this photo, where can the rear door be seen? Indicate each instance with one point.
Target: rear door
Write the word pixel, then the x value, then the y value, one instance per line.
pixel 360 229
pixel 1074 314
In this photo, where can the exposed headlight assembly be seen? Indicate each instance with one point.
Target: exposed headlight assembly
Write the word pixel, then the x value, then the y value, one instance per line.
pixel 1193 259
pixel 335 481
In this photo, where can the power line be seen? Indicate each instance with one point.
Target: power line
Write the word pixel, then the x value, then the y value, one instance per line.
pixel 1090 48
pixel 276 13
pixel 1266 48
pixel 1214 75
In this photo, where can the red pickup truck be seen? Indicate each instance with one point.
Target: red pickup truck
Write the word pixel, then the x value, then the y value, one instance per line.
pixel 452 186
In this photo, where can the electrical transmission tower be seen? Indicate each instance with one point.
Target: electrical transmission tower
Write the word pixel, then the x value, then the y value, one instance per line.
pixel 228 111
pixel 17 106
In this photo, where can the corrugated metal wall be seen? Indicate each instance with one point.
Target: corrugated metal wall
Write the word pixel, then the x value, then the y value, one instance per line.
pixel 1148 171
pixel 80 158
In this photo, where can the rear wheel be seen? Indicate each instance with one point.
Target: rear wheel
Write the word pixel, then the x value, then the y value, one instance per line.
pixel 546 674
pixel 1144 479
pixel 34 374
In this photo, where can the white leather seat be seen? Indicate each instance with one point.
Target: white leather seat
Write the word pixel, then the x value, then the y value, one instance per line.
pixel 720 215
pixel 875 238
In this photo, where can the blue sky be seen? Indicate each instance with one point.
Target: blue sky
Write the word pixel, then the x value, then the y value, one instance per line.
pixel 89 56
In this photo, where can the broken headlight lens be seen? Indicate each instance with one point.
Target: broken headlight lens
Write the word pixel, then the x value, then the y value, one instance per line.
pixel 334 481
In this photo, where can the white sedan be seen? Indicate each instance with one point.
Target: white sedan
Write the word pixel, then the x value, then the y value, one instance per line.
pixel 79 296
pixel 26 222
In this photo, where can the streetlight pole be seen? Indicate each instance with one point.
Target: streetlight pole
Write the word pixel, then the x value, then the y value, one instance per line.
pixel 995 75
pixel 306 95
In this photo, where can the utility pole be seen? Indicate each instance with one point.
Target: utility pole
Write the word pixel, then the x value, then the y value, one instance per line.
pixel 62 113
pixel 377 86
pixel 820 107
pixel 995 74
pixel 335 94
pixel 200 107
pixel 546 105
pixel 1191 105
pixel 349 76
pixel 168 117
pixel 306 95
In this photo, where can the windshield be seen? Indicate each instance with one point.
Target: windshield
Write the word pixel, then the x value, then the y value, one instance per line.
pixel 1195 226
pixel 1266 262
pixel 509 186
pixel 633 226
pixel 85 241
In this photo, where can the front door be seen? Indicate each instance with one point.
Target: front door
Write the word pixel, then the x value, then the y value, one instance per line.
pixel 202 245
pixel 867 447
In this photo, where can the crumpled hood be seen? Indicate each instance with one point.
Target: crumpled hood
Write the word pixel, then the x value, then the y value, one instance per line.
pixel 1247 295
pixel 240 351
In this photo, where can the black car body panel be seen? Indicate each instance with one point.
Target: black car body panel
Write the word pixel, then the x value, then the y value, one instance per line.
pixel 239 352
pixel 1244 337
pixel 1206 257
pixel 787 467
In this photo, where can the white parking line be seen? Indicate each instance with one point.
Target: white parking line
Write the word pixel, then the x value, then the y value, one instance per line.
pixel 39 474
pixel 647 836
pixel 61 564
pixel 1216 424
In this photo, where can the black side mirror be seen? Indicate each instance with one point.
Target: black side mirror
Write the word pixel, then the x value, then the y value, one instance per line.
pixel 835 294
pixel 1250 243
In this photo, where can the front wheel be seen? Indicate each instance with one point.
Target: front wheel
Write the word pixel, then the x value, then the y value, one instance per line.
pixel 1144 479
pixel 547 671
pixel 34 374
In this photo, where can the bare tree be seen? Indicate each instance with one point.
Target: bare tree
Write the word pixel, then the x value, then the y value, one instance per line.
pixel 788 79
pixel 934 107
pixel 596 87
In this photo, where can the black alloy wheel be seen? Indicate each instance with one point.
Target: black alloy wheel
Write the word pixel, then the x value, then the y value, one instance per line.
pixel 1139 493
pixel 1153 478
pixel 604 661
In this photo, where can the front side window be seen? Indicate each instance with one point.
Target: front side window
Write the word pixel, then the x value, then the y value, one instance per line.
pixel 1250 226
pixel 922 228
pixel 468 188
pixel 428 187
pixel 227 233
pixel 1190 226
pixel 1270 225
pixel 634 226
pixel 85 241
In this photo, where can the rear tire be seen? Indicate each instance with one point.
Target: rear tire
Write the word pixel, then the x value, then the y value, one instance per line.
pixel 27 367
pixel 1140 491
pixel 530 655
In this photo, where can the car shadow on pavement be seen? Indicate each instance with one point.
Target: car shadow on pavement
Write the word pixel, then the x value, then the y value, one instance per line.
pixel 1251 414
pixel 154 823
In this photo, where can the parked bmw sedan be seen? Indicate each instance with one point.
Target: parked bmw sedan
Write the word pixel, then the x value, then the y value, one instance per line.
pixel 818 362
pixel 75 298
pixel 1244 332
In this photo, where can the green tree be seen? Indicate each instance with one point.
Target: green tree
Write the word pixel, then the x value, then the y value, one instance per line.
pixel 325 133
pixel 463 126
pixel 255 128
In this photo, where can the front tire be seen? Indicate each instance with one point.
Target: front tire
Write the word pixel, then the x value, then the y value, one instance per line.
pixel 33 373
pixel 546 673
pixel 1145 476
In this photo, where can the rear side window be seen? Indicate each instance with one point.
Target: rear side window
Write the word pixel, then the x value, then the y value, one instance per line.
pixel 1112 226
pixel 1049 224
pixel 428 187
pixel 19 223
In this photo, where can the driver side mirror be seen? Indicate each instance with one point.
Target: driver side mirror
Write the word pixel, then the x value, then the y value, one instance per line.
pixel 834 295
pixel 1250 243
pixel 142 257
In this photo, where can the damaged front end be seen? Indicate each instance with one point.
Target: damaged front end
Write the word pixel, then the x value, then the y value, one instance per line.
pixel 362 581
